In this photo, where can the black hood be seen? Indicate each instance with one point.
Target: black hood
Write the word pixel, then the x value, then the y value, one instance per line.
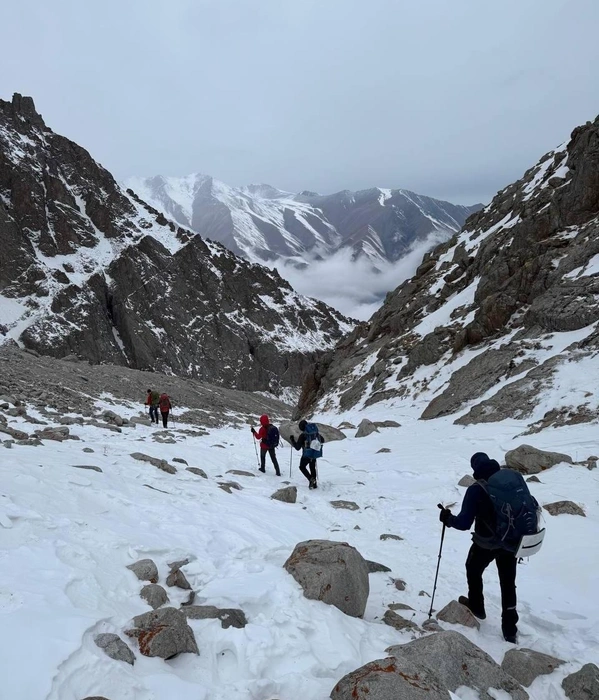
pixel 482 466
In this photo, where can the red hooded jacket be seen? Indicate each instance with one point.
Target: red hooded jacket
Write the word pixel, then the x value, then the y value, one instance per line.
pixel 262 433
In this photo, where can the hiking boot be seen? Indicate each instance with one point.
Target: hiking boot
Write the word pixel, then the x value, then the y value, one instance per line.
pixel 278 473
pixel 481 614
pixel 511 638
pixel 315 484
pixel 262 470
pixel 312 484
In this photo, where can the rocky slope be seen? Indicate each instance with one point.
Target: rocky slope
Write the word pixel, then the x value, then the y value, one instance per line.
pixel 91 270
pixel 493 315
pixel 265 224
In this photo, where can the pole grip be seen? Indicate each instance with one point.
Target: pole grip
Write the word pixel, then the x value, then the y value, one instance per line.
pixel 440 507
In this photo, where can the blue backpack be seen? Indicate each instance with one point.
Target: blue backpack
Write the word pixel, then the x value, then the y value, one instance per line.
pixel 272 436
pixel 516 510
pixel 313 448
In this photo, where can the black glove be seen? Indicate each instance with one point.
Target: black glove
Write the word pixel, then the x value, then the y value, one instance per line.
pixel 253 431
pixel 445 515
pixel 292 438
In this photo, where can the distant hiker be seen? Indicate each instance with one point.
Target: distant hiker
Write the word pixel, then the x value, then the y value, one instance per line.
pixel 503 512
pixel 310 442
pixel 269 436
pixel 165 406
pixel 152 401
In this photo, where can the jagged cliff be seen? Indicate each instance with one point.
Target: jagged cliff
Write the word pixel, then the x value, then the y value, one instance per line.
pixel 91 270
pixel 492 314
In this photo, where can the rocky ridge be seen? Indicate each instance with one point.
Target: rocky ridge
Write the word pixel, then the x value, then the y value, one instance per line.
pixel 93 271
pixel 493 315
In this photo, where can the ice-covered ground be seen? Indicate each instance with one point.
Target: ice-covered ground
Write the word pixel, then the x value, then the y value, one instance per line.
pixel 67 535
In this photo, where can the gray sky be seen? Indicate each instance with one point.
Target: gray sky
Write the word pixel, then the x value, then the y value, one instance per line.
pixel 450 98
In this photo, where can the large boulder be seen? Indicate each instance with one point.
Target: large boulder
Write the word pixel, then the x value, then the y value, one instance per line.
pixel 328 432
pixel 113 646
pixel 333 572
pixel 582 685
pixel 458 662
pixel 366 427
pixel 145 570
pixel 390 679
pixel 163 633
pixel 400 623
pixel 526 664
pixel 530 460
pixel 154 595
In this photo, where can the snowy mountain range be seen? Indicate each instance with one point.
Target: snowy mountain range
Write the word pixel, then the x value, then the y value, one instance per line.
pixel 265 224
pixel 91 270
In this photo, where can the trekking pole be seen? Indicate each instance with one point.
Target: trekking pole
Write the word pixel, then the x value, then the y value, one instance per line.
pixel 290 459
pixel 256 451
pixel 430 612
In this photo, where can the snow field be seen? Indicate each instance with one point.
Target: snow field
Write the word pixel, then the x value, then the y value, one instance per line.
pixel 67 535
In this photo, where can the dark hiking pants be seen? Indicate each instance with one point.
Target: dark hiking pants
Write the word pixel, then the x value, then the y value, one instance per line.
pixel 273 457
pixel 477 561
pixel 164 418
pixel 305 462
pixel 154 414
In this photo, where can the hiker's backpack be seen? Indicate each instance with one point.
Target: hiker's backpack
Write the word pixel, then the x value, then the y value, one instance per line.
pixel 313 448
pixel 516 514
pixel 165 403
pixel 272 436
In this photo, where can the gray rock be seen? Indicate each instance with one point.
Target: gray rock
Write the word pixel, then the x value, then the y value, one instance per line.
pixel 530 460
pixel 87 466
pixel 163 633
pixel 534 480
pixel 57 434
pixel 383 450
pixel 457 614
pixel 333 572
pixel 286 495
pixel 145 570
pixel 387 424
pixel 366 427
pixel 398 622
pixel 230 486
pixel 346 426
pixel 388 536
pixel 525 665
pixel 176 565
pixel 113 646
pixel 154 595
pixel 400 584
pixel 582 685
pixel 564 508
pixel 229 617
pixel 138 420
pixel 390 679
pixel 345 505
pixel 328 432
pixel 374 567
pixel 112 417
pixel 177 579
pixel 13 432
pixel 467 480
pixel 431 625
pixel 179 460
pixel 161 464
pixel 197 471
pixel 458 662
pixel 240 472
pixel 399 606
pixel 88 450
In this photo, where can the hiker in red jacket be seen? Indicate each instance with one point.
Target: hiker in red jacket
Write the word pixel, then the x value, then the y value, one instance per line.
pixel 165 407
pixel 269 437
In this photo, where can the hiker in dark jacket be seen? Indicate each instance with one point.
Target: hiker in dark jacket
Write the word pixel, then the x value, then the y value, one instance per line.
pixel 165 406
pixel 303 443
pixel 265 447
pixel 152 401
pixel 477 508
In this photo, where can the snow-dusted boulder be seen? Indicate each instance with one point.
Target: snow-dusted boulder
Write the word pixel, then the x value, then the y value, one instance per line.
pixel 114 647
pixel 582 685
pixel 366 427
pixel 145 570
pixel 530 460
pixel 333 572
pixel 526 664
pixel 154 595
pixel 286 495
pixel 164 633
pixel 457 614
pixel 564 508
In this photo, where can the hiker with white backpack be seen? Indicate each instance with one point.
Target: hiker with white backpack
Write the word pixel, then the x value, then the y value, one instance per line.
pixel 506 527
pixel 269 441
pixel 310 442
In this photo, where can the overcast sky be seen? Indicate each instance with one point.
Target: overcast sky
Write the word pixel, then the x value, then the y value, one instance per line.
pixel 450 98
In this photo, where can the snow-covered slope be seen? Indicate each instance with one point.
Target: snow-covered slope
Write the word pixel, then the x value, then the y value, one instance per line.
pixel 91 270
pixel 69 533
pixel 265 224
pixel 493 316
